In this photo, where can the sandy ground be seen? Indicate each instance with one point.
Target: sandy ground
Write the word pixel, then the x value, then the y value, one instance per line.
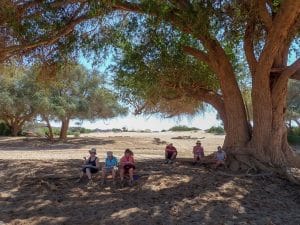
pixel 37 186
pixel 142 144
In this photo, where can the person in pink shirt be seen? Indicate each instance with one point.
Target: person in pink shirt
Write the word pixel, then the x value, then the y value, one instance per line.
pixel 198 152
pixel 170 153
pixel 127 166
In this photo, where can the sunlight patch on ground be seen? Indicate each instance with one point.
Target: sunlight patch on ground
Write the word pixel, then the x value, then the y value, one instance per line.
pixel 159 182
pixel 41 220
pixel 125 213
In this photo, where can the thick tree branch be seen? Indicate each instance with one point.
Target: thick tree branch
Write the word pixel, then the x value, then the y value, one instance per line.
pixel 292 69
pixel 127 6
pixel 264 14
pixel 296 75
pixel 248 47
pixel 282 25
pixel 202 56
pixel 64 31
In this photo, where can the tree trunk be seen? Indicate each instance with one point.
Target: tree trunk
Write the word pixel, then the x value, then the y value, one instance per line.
pixel 14 126
pixel 64 129
pixel 15 129
pixel 50 136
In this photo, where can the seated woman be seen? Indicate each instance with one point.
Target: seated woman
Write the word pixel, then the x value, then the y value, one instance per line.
pixel 110 166
pixel 220 157
pixel 90 165
pixel 170 153
pixel 198 152
pixel 127 166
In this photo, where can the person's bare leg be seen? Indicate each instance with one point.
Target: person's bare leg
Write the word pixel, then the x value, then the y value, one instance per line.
pixel 88 173
pixel 166 158
pixel 217 164
pixel 130 171
pixel 173 157
pixel 80 177
pixel 122 174
pixel 131 174
pixel 103 175
pixel 195 159
pixel 113 174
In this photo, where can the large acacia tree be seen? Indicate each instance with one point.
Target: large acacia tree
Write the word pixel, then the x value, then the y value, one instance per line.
pixel 266 28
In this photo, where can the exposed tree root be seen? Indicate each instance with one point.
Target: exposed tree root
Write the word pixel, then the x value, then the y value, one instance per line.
pixel 253 167
pixel 244 174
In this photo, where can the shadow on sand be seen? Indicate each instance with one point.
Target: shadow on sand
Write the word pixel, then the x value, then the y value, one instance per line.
pixel 45 192
pixel 25 144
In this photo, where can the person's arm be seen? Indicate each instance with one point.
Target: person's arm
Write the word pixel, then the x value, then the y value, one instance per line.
pixel 97 163
pixel 122 161
pixel 84 160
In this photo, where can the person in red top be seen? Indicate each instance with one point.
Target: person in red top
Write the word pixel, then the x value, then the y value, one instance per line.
pixel 127 165
pixel 170 153
pixel 198 152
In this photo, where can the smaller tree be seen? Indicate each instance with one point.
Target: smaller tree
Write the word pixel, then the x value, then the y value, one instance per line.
pixel 19 97
pixel 79 94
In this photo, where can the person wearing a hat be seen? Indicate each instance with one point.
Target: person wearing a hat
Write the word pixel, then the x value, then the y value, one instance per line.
pixel 90 165
pixel 198 152
pixel 110 166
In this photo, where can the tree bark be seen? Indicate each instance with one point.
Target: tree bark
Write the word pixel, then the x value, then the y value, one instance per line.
pixel 50 135
pixel 64 129
pixel 15 129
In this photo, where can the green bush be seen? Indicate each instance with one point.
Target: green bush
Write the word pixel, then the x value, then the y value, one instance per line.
pixel 4 129
pixel 41 131
pixel 293 139
pixel 76 134
pixel 183 128
pixel 216 130
pixel 296 131
pixel 81 130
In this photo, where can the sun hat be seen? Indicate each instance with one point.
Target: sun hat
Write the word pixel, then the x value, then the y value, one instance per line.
pixel 93 150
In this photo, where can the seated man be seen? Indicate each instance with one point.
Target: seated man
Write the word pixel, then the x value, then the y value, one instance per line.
pixel 127 166
pixel 110 166
pixel 170 153
pixel 90 165
pixel 220 157
pixel 198 152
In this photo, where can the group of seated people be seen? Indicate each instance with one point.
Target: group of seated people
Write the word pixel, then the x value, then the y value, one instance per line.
pixel 126 166
pixel 198 152
pixel 111 165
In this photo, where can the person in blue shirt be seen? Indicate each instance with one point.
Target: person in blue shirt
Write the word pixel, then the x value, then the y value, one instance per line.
pixel 110 166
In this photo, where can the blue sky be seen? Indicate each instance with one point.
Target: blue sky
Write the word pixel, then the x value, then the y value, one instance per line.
pixel 152 122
